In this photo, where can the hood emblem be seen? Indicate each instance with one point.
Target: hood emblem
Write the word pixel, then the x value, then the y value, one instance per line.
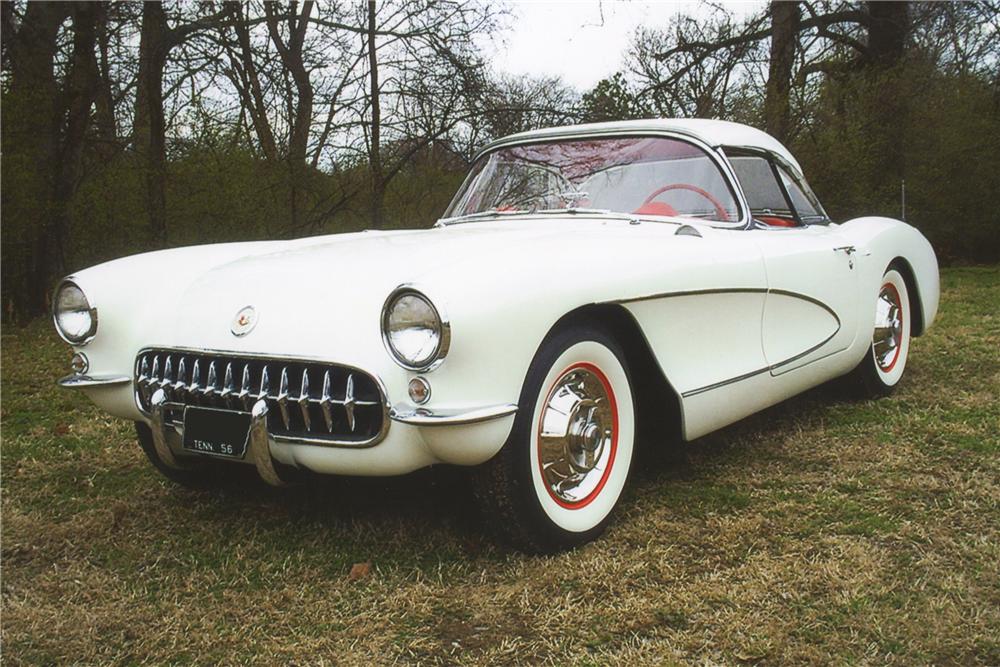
pixel 244 321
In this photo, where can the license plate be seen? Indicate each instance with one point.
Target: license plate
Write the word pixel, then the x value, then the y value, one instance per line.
pixel 216 432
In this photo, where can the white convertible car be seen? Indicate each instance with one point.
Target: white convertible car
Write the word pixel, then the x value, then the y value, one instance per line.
pixel 585 281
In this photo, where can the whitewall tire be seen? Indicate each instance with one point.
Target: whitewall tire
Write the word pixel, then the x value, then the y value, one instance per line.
pixel 557 480
pixel 880 371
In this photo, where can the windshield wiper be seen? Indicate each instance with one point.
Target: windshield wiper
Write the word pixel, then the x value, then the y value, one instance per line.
pixel 476 216
pixel 574 210
pixel 492 213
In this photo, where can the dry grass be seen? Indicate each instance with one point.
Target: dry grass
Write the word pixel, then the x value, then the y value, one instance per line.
pixel 821 531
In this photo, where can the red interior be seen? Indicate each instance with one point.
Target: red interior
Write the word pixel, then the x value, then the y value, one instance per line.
pixel 775 221
pixel 655 208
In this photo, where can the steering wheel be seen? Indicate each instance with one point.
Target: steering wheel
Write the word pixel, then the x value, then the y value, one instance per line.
pixel 720 210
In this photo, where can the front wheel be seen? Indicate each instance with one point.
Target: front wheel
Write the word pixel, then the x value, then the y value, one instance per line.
pixel 558 478
pixel 882 368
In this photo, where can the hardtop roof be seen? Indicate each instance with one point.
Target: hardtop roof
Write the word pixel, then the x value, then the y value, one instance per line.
pixel 715 133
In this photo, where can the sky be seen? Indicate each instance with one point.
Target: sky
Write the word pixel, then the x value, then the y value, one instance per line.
pixel 583 41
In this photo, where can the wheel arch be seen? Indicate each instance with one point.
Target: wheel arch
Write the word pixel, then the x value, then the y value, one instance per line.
pixel 916 303
pixel 658 404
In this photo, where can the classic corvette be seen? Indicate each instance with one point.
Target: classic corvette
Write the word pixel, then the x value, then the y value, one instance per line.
pixel 585 281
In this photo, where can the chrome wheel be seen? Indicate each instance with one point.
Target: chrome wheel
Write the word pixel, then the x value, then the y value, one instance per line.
pixel 559 476
pixel 887 338
pixel 577 435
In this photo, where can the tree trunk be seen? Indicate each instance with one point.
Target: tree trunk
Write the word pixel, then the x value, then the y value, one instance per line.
pixel 251 89
pixel 887 37
pixel 149 127
pixel 785 17
pixel 104 110
pixel 374 149
pixel 78 97
pixel 7 32
pixel 888 32
pixel 298 134
pixel 31 131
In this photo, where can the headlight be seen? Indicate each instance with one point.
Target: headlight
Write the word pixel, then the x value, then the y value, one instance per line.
pixel 74 316
pixel 413 330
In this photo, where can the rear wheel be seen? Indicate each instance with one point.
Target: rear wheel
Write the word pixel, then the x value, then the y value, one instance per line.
pixel 558 478
pixel 882 368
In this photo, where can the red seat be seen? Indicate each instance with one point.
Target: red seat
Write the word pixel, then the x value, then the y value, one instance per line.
pixel 776 222
pixel 655 208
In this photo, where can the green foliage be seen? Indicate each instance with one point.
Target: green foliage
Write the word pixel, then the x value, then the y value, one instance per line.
pixel 218 190
pixel 860 136
pixel 220 193
pixel 940 132
pixel 24 186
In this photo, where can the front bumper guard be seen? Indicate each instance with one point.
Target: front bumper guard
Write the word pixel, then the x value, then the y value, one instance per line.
pixel 258 449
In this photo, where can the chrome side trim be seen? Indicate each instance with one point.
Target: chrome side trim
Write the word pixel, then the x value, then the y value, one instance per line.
pixel 76 381
pixel 723 383
pixel 424 417
pixel 772 368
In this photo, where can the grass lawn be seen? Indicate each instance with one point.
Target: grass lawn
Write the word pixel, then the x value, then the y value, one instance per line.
pixel 820 531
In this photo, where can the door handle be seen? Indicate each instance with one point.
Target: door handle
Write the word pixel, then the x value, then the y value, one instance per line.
pixel 848 250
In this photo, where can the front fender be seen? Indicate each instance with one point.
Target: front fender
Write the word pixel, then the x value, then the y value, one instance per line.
pixel 886 240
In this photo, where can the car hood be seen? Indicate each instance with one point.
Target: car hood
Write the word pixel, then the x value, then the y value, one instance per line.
pixel 343 262
pixel 332 288
pixel 323 296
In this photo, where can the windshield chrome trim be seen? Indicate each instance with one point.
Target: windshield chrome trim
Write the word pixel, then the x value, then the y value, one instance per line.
pixel 562 133
pixel 554 134
pixel 549 213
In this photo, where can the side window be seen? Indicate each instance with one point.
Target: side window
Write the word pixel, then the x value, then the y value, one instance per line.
pixel 765 194
pixel 806 203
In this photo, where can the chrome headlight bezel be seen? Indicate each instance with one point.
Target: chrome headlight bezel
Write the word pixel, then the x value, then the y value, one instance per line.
pixel 443 330
pixel 91 310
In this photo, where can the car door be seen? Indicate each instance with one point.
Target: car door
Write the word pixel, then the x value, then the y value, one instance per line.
pixel 810 312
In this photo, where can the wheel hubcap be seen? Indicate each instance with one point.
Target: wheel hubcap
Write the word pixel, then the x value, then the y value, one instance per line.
pixel 888 336
pixel 577 435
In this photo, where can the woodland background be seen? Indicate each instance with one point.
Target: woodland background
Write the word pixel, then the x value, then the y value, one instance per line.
pixel 128 127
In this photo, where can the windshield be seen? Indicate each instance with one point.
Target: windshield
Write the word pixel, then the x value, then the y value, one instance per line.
pixel 629 175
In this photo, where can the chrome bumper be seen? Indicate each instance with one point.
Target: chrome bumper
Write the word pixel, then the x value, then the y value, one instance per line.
pixel 76 381
pixel 423 417
pixel 259 444
pixel 258 449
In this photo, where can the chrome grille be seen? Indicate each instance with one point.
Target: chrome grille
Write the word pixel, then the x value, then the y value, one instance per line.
pixel 307 400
